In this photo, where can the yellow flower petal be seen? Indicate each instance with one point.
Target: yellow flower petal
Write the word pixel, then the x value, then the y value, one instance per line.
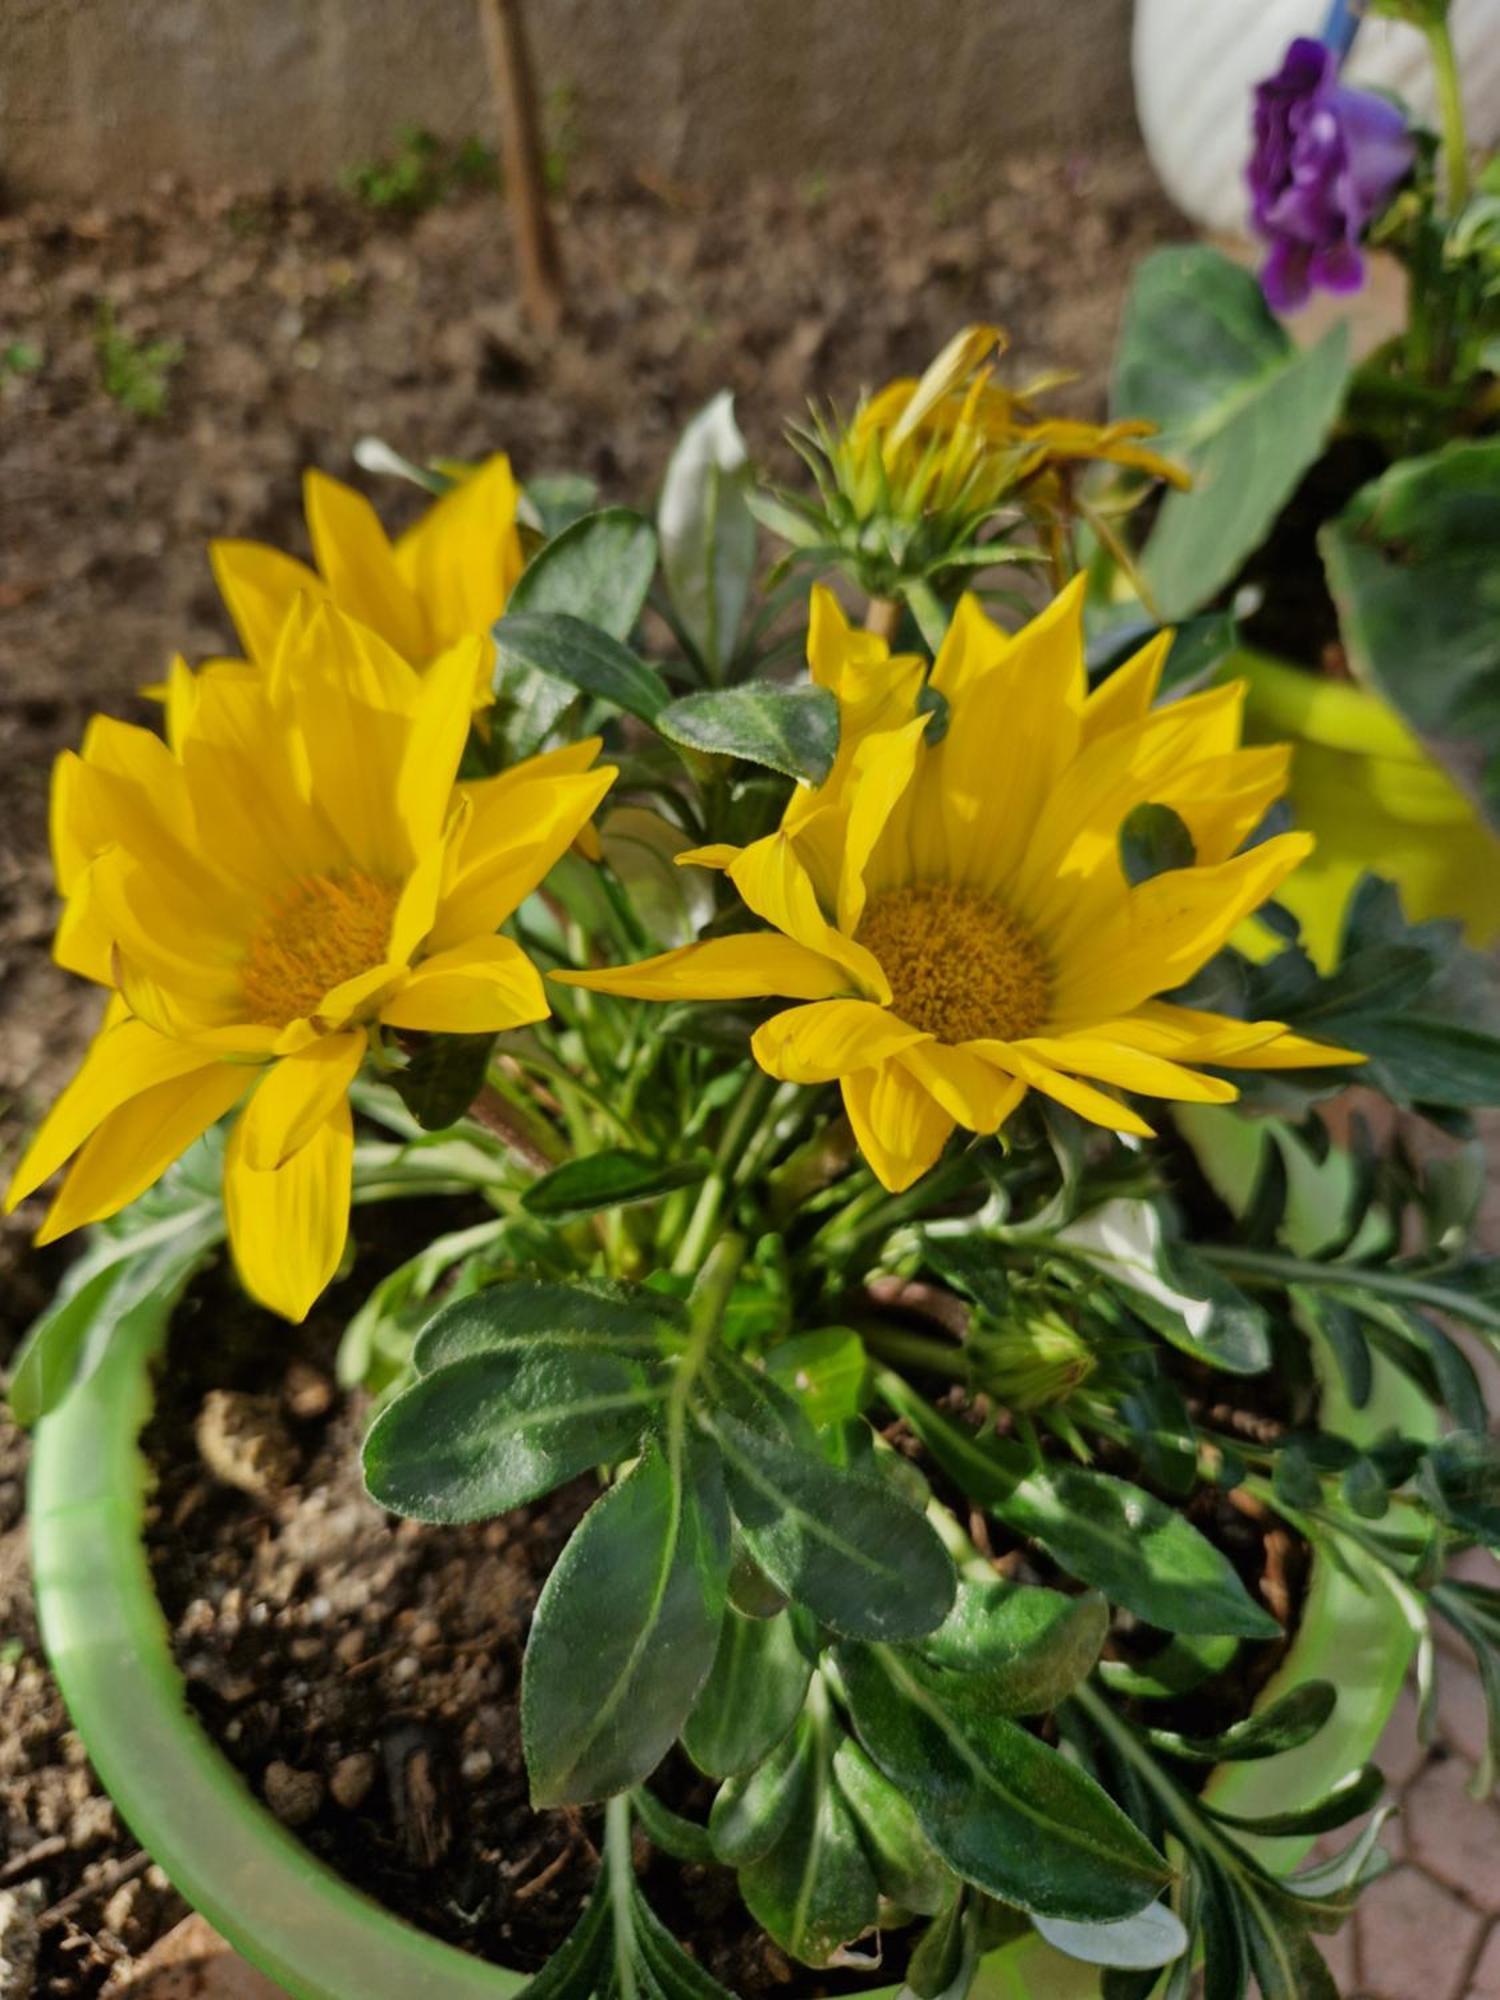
pixel 828 1039
pixel 287 1227
pixel 1128 1068
pixel 462 559
pixel 435 738
pixel 515 837
pixel 899 1126
pixel 1126 695
pixel 775 885
pixel 123 1060
pixel 358 565
pixel 754 965
pixel 133 1147
pixel 970 1088
pixel 296 1096
pixel 258 586
pixel 472 989
pixel 1095 1105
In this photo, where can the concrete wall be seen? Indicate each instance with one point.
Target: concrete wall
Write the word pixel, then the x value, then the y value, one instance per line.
pixel 98 96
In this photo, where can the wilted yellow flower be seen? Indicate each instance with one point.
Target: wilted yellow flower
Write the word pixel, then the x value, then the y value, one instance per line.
pixel 295 866
pixel 447 578
pixel 1375 802
pixel 956 914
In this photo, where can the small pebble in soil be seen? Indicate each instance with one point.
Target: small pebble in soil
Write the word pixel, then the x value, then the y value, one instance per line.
pixel 477 1766
pixel 352 1778
pixel 19 1909
pixel 294 1796
pixel 306 1391
pixel 244 1442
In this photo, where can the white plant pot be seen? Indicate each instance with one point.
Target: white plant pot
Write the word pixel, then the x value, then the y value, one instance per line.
pixel 1196 63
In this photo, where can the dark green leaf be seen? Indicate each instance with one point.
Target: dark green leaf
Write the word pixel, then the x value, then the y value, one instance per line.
pixel 683 1839
pixel 908 1869
pixel 598 569
pixel 1141 1553
pixel 1356 1793
pixel 443 1077
pixel 947 1955
pixel 1460 1479
pixel 579 657
pixel 751 1810
pixel 499 1428
pixel 625 1628
pixel 610 1178
pixel 1285 1724
pixel 1029 1647
pixel 813 1889
pixel 1008 1814
pixel 1154 840
pixel 1411 564
pixel 752 1696
pixel 794 730
pixel 519 1314
pixel 1237 402
pixel 843 1544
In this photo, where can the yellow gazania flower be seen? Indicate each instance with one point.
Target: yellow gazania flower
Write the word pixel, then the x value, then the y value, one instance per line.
pixel 1373 799
pixel 447 578
pixel 954 915
pixel 293 866
pixel 955 438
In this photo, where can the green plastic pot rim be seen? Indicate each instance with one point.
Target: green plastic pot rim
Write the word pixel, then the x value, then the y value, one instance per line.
pixel 302 1924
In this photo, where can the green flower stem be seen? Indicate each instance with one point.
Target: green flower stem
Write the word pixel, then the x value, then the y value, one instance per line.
pixel 1271 1269
pixel 1450 109
pixel 914 1350
pixel 621 1865
pixel 706 1304
pixel 738 1128
pixel 866 1219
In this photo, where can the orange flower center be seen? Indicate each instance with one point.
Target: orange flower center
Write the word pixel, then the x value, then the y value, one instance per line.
pixel 960 966
pixel 326 929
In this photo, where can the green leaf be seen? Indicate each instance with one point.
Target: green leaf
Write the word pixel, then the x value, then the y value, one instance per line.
pixel 519 1314
pixel 1153 841
pixel 499 1428
pixel 561 649
pixel 135 1267
pixel 843 1544
pixel 751 1810
pixel 1153 1936
pixel 753 1694
pixel 1005 1812
pixel 1202 356
pixel 442 1078
pixel 1285 1724
pixel 1411 564
pixel 794 730
pixel 1030 1647
pixel 813 1889
pixel 611 1178
pixel 1460 1480
pixel 598 569
pixel 626 1628
pixel 708 532
pixel 947 1954
pixel 684 1839
pixel 1140 1552
pixel 909 1871
pixel 825 1370
pixel 1355 1793
pixel 1176 1669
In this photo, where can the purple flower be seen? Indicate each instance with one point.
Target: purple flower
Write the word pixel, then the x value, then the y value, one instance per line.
pixel 1327 159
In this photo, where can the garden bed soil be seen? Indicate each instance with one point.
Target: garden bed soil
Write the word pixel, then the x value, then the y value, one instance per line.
pixel 306 321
